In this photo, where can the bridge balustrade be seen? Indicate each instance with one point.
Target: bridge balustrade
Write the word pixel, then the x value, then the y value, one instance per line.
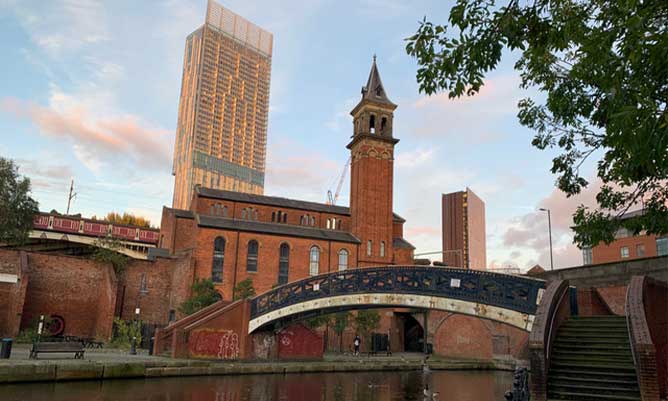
pixel 506 291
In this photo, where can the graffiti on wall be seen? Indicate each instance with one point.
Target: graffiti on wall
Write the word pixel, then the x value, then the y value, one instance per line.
pixel 220 344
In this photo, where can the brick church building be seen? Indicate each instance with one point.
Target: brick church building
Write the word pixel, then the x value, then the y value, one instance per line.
pixel 272 240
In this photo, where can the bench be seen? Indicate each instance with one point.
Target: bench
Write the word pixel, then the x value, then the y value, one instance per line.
pixel 57 348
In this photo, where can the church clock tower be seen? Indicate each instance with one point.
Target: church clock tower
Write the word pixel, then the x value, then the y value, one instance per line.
pixel 372 159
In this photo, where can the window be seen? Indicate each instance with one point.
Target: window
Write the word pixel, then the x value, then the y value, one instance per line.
pixel 312 221
pixel 218 259
pixel 372 124
pixel 244 214
pixel 328 223
pixel 338 224
pixel 314 261
pixel 285 217
pixel 586 256
pixel 251 258
pixel 640 250
pixel 662 246
pixel 383 124
pixel 368 248
pixel 273 216
pixel 283 263
pixel 382 249
pixel 343 260
pixel 624 251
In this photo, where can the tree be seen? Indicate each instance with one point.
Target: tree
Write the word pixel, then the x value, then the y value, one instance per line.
pixel 366 321
pixel 339 324
pixel 107 251
pixel 203 294
pixel 318 321
pixel 17 208
pixel 244 289
pixel 601 65
pixel 125 218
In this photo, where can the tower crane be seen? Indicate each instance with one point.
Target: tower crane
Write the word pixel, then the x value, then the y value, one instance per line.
pixel 331 199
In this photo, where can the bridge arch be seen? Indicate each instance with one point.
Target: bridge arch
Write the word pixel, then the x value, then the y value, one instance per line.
pixel 499 297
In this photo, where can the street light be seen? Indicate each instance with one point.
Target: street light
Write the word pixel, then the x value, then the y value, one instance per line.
pixel 549 228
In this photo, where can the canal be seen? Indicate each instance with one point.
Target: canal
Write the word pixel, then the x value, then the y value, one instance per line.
pixel 371 386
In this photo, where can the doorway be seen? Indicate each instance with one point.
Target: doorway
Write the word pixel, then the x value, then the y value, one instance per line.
pixel 413 334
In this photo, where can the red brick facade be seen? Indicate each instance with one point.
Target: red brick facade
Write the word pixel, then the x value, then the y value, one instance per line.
pixel 625 248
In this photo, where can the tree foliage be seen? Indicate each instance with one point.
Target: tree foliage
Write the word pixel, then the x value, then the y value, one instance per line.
pixel 366 321
pixel 244 289
pixel 603 68
pixel 107 251
pixel 125 218
pixel 203 294
pixel 17 208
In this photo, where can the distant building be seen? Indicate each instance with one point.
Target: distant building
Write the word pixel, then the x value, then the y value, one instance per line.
pixel 221 133
pixel 626 246
pixel 463 222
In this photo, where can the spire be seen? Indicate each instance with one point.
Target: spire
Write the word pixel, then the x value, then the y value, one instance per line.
pixel 374 90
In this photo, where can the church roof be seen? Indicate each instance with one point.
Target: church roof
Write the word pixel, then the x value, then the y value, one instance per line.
pixel 374 89
pixel 276 229
pixel 278 201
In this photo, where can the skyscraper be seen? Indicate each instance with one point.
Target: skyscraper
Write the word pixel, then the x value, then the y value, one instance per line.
pixel 464 243
pixel 221 134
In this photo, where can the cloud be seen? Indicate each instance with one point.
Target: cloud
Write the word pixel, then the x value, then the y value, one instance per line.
pixel 529 232
pixel 414 158
pixel 63 26
pixel 469 119
pixel 299 172
pixel 97 139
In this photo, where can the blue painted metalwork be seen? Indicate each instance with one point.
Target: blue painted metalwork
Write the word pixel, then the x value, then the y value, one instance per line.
pixel 506 291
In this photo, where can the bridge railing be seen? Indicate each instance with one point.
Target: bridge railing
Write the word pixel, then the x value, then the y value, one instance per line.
pixel 510 292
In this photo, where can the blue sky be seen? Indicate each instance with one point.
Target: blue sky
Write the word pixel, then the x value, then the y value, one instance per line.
pixel 91 89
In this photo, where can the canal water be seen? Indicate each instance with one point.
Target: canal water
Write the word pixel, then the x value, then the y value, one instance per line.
pixel 367 386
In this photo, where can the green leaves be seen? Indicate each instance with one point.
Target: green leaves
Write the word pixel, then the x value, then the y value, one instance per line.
pixel 203 293
pixel 17 208
pixel 603 66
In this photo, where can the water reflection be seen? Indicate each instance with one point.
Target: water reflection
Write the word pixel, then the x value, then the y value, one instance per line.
pixel 373 386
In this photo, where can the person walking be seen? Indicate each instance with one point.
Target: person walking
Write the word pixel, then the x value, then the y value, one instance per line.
pixel 356 344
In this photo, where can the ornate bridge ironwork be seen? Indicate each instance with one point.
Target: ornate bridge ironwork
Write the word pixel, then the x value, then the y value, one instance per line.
pixel 514 293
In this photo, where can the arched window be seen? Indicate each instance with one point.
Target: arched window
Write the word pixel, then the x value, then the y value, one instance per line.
pixel 372 124
pixel 283 263
pixel 211 211
pixel 314 261
pixel 273 216
pixel 244 213
pixel 218 259
pixel 338 224
pixel 368 248
pixel 328 223
pixel 383 124
pixel 312 221
pixel 224 211
pixel 255 214
pixel 343 260
pixel 285 217
pixel 382 249
pixel 251 258
pixel 301 220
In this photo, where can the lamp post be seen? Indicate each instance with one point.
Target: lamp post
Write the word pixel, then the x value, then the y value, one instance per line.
pixel 133 344
pixel 549 228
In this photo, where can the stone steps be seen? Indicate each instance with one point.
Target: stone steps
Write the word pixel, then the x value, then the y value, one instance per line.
pixel 592 361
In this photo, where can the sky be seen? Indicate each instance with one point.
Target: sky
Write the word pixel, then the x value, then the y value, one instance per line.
pixel 90 92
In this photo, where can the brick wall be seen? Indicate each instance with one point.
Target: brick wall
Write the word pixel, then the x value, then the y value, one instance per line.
pixel 266 276
pixel 12 295
pixel 219 335
pixel 75 288
pixel 203 205
pixel 603 253
pixel 298 342
pixel 371 187
pixel 167 285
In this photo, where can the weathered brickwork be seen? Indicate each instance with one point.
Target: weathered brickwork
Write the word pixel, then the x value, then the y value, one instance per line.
pixel 638 247
pixel 12 295
pixel 78 289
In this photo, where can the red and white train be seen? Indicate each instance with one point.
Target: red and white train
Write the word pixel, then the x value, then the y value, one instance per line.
pixel 94 228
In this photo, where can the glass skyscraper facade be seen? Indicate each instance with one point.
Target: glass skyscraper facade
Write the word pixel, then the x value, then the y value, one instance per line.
pixel 221 134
